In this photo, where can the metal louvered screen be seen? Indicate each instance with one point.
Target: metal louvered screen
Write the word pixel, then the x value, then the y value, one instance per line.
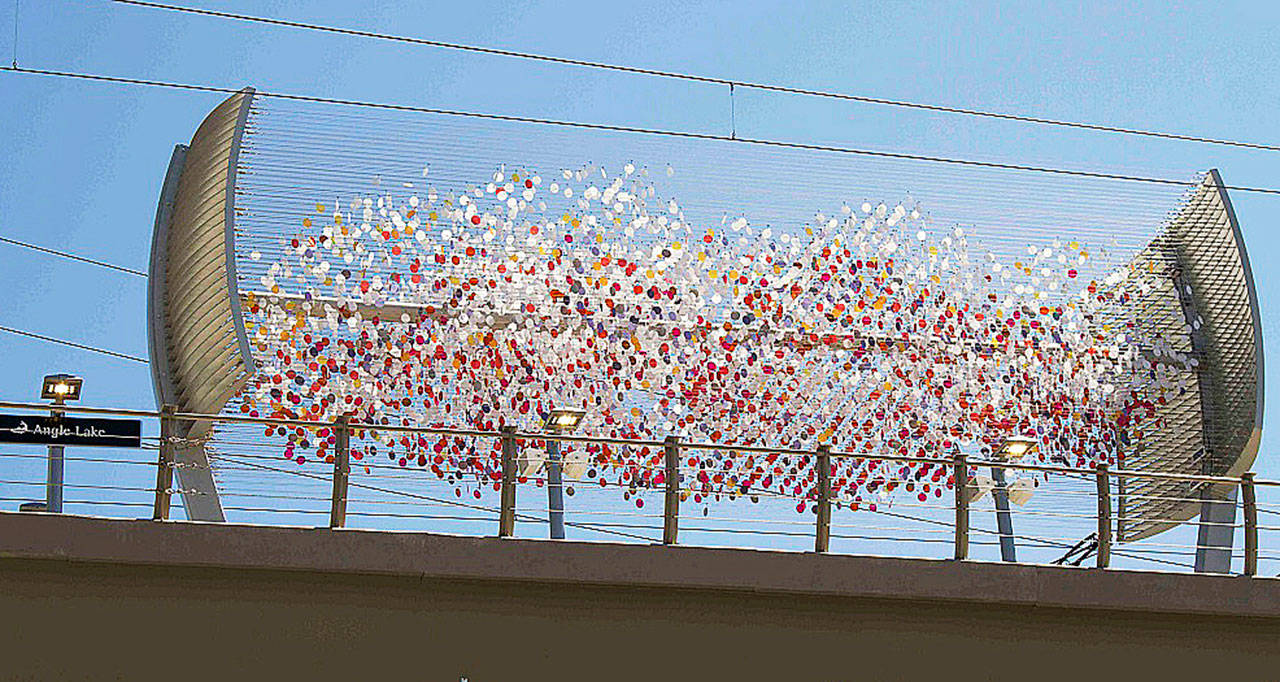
pixel 199 352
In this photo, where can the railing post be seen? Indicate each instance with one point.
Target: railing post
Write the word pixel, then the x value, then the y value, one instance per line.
pixel 341 472
pixel 822 539
pixel 671 508
pixel 164 468
pixel 507 500
pixel 1104 516
pixel 1250 500
pixel 962 506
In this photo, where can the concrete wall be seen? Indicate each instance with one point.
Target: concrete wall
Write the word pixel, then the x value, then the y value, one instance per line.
pixel 95 599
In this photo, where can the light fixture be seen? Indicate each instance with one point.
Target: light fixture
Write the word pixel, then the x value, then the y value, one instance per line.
pixel 61 387
pixel 563 421
pixel 575 467
pixel 530 461
pixel 1015 447
pixel 980 487
pixel 1021 490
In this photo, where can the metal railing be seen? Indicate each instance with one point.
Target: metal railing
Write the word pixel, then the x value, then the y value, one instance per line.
pixel 822 459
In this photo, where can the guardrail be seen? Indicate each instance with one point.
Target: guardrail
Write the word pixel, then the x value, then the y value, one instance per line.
pixel 820 500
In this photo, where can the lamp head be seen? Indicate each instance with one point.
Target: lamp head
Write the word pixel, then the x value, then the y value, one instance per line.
pixel 61 387
pixel 1014 447
pixel 563 421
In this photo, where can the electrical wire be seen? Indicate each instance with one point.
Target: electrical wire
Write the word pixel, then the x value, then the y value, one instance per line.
pixel 72 344
pixel 713 80
pixel 682 134
pixel 72 256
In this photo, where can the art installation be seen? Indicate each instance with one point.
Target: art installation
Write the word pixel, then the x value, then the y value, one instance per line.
pixel 867 329
pixel 420 273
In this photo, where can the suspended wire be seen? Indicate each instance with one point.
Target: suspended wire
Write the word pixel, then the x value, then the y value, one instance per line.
pixel 682 134
pixel 73 256
pixel 428 498
pixel 1032 540
pixel 297 151
pixel 765 87
pixel 81 346
pixel 383 145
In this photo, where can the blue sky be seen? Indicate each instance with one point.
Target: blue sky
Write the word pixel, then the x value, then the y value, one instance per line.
pixel 84 161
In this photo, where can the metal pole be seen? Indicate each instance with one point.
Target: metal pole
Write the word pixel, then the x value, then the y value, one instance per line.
pixel 1121 504
pixel 671 508
pixel 822 539
pixel 341 472
pixel 164 470
pixel 1104 516
pixel 555 491
pixel 507 501
pixel 962 507
pixel 1250 500
pixel 53 484
pixel 1217 534
pixel 1004 520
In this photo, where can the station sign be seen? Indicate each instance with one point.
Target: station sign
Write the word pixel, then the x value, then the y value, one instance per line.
pixel 49 430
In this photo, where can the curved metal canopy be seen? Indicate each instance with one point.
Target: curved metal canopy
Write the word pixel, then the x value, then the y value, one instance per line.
pixel 199 352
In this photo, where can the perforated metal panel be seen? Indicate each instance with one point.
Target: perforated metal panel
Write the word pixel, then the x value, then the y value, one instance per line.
pixel 1214 426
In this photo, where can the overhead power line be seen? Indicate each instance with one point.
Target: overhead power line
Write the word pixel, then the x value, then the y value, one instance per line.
pixel 73 344
pixel 638 130
pixel 72 256
pixel 766 87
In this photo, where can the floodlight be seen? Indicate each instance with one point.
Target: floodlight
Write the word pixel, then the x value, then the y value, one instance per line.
pixel 61 387
pixel 563 421
pixel 1021 490
pixel 530 461
pixel 1014 447
pixel 575 466
pixel 980 487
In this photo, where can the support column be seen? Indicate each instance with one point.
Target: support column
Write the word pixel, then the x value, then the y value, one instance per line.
pixel 1217 529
